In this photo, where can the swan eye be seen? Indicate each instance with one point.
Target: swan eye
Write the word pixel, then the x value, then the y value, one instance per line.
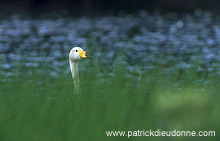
pixel 76 50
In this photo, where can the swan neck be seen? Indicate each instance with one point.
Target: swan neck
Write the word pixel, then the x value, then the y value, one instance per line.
pixel 74 69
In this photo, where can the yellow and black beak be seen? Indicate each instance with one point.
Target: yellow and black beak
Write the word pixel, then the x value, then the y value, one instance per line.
pixel 82 53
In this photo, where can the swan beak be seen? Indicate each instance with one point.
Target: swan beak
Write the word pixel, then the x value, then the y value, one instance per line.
pixel 82 53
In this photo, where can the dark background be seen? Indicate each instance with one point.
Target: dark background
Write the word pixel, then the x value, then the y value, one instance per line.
pixel 108 5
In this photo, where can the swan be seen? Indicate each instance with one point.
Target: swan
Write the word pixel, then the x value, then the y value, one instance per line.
pixel 75 55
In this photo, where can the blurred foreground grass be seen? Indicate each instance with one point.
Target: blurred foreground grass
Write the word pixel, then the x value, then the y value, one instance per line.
pixel 38 107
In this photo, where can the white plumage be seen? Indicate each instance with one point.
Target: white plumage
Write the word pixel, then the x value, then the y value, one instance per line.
pixel 75 55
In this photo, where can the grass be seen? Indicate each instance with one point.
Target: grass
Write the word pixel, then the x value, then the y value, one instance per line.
pixel 38 107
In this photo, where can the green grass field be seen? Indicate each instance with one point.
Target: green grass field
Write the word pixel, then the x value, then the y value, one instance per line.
pixel 37 107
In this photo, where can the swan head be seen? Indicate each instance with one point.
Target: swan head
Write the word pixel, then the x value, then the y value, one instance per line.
pixel 76 54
